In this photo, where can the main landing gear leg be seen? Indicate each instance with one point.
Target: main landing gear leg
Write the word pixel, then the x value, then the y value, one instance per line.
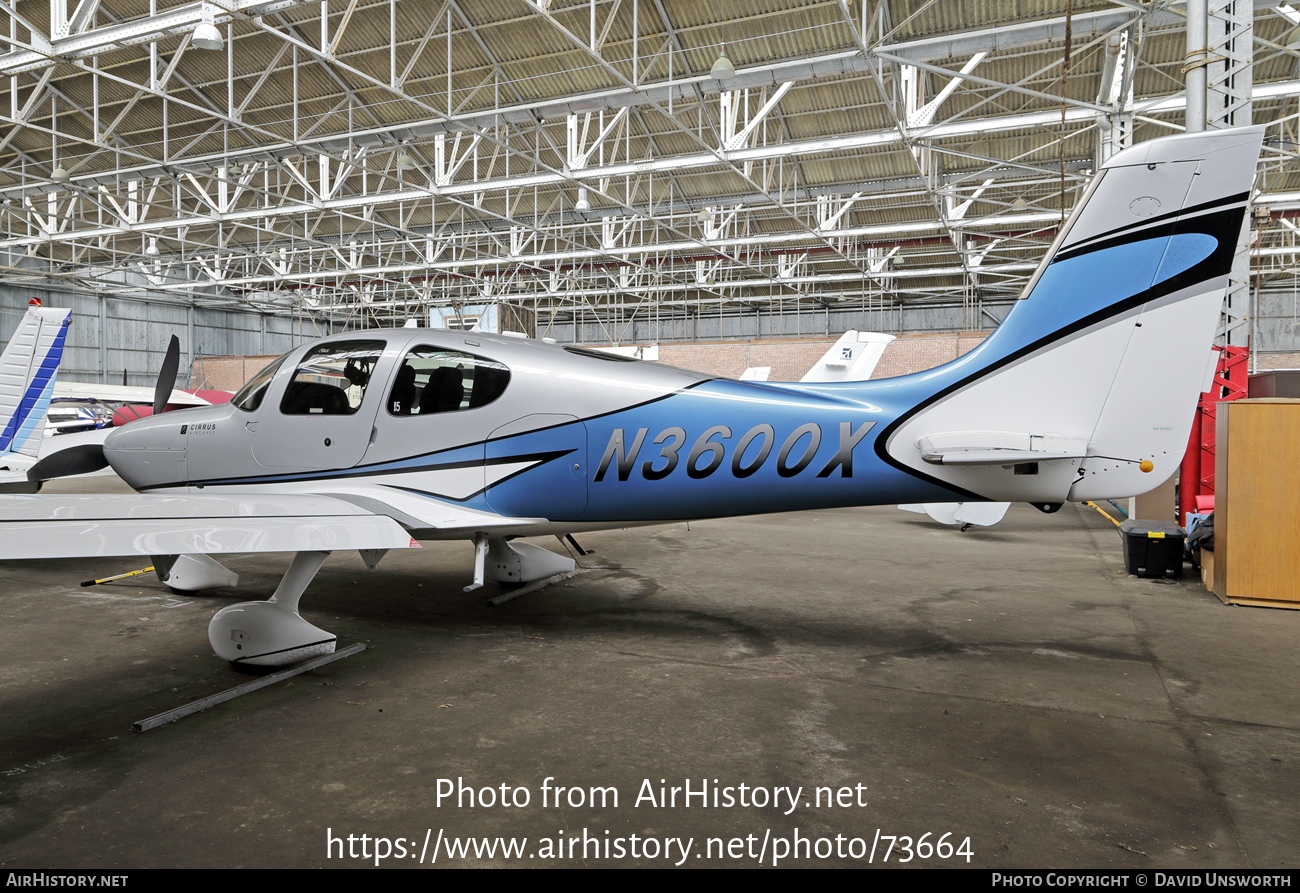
pixel 568 538
pixel 504 561
pixel 272 633
pixel 480 560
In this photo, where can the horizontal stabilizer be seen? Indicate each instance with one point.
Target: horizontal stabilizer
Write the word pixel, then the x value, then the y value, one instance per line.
pixel 975 458
pixel 980 514
pixel 976 448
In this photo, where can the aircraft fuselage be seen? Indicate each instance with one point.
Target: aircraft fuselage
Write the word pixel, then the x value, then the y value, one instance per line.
pixel 574 437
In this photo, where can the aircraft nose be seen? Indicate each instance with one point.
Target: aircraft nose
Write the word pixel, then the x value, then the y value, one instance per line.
pixel 149 433
pixel 149 452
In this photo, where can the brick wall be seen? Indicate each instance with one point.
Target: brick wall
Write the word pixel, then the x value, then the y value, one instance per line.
pixel 226 373
pixel 916 353
pixel 789 360
pixel 1277 359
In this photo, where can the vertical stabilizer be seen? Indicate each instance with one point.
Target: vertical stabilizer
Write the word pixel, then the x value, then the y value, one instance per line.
pixel 1088 387
pixel 852 358
pixel 28 367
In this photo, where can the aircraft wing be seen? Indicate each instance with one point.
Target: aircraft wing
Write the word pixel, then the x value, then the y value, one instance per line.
pixel 147 524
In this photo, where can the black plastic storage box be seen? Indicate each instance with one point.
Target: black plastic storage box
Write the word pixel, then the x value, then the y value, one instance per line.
pixel 1153 549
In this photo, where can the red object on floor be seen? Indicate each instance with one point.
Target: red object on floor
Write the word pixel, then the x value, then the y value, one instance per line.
pixel 1196 477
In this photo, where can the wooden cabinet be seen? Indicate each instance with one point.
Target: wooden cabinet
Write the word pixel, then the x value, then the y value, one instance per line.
pixel 1257 502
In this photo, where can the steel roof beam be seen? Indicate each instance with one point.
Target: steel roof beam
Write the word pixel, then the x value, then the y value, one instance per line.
pixel 166 23
pixel 594 174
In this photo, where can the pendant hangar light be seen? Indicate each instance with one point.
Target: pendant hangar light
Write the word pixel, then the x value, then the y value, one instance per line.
pixel 206 36
pixel 722 69
pixel 60 173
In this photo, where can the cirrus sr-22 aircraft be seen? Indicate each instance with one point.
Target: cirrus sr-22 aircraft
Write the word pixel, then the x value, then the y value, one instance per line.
pixel 375 440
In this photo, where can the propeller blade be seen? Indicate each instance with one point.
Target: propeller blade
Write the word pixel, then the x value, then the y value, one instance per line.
pixel 162 391
pixel 74 460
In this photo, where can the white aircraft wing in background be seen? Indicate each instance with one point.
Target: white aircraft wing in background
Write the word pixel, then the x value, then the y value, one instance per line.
pixel 116 393
pixel 647 352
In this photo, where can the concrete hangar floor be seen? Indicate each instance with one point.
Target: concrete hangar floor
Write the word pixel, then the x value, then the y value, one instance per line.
pixel 1008 687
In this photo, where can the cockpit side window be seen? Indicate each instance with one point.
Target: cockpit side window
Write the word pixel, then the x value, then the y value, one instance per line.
pixel 432 379
pixel 332 379
pixel 249 397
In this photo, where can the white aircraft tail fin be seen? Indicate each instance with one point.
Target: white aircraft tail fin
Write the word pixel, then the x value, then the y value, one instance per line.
pixel 852 358
pixel 1088 387
pixel 28 367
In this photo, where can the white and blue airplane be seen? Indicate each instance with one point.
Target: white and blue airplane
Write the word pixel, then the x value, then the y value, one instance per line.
pixel 379 439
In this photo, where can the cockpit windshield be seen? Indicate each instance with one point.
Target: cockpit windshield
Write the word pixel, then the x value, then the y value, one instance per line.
pixel 249 397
